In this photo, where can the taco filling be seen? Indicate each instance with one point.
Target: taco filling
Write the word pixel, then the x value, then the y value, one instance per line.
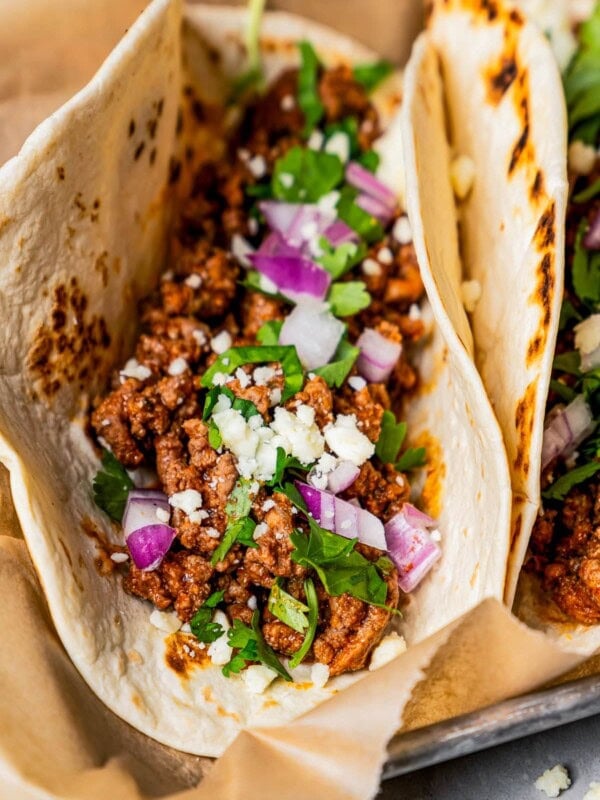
pixel 565 543
pixel 252 451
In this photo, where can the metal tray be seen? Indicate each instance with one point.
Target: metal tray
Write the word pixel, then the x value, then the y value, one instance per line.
pixel 487 727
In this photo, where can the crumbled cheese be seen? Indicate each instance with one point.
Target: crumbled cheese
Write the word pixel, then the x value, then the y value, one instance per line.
pixel 267 285
pixel 178 366
pixel 385 256
pixel 133 369
pixel 252 603
pixel 221 342
pixel 188 500
pixel 255 422
pixel 221 378
pixel 219 651
pixel 327 204
pixel 163 515
pixel 168 275
pixel 338 145
pixel 288 102
pixel 187 628
pixel 371 267
pixel 319 674
pixel 582 157
pixel 388 648
pixel 198 516
pixel 462 175
pixel 194 281
pixel 241 249
pixel 587 335
pixel 213 533
pixel 165 621
pixel 252 226
pixel 243 154
pixel 347 442
pixel 237 435
pixel 593 793
pixel 414 312
pixel 470 292
pixel 199 336
pixel 268 505
pixel 553 781
pixel 222 404
pixel 119 558
pixel 244 379
pixel 357 383
pixel 402 232
pixel 262 375
pixel 299 432
pixel 286 180
pixel 275 396
pixel 257 166
pixel 257 677
pixel 260 530
pixel 435 535
pixel 315 140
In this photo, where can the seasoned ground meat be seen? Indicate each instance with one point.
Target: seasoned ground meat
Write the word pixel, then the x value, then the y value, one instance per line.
pixel 382 491
pixel 256 310
pixel 317 395
pixel 367 404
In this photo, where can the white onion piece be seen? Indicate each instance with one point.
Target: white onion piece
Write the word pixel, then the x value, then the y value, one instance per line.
pixel 565 429
pixel 411 548
pixel 342 517
pixel 378 356
pixel 314 332
pixel 587 341
pixel 141 508
pixel 343 476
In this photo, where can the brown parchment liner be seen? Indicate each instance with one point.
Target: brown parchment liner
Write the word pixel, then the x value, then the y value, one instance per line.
pixel 56 739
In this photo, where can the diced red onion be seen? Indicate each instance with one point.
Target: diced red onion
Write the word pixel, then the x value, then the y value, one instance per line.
pixel 410 547
pixel 292 220
pixel 143 477
pixel 149 545
pixel 275 245
pixel 314 332
pixel 378 356
pixel 366 182
pixel 342 517
pixel 279 216
pixel 295 276
pixel 141 508
pixel 374 207
pixel 343 476
pixel 418 518
pixel 566 429
pixel 340 233
pixel 591 240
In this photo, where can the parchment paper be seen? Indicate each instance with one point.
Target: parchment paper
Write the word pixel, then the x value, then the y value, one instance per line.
pixel 56 739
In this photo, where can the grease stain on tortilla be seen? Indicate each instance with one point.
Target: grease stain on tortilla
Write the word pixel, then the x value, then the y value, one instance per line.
pixel 135 657
pixel 60 171
pixel 270 703
pixel 516 531
pixel 474 576
pixel 222 712
pixel 435 472
pixel 103 561
pixel 524 417
pixel 499 77
pixel 184 653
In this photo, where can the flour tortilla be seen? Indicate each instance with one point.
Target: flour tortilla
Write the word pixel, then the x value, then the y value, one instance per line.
pixel 482 82
pixel 84 212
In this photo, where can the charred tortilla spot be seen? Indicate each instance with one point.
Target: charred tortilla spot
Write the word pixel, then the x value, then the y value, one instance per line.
pixel 184 653
pixel 516 530
pixel 544 234
pixel 524 426
pixel 179 124
pixel 519 148
pixel 535 348
pixel 131 130
pixel 139 150
pixel 174 170
pixel 60 171
pixel 499 77
pixel 153 155
pixel 151 127
pixel 537 187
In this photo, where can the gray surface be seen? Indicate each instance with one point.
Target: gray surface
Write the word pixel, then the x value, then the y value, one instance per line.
pixel 508 772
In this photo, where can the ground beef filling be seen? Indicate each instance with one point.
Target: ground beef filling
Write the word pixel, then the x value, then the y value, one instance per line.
pixel 153 415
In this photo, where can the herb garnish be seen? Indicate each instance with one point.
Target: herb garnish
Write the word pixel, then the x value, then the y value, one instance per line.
pixel 313 618
pixel 308 89
pixel 251 647
pixel 390 441
pixel 560 488
pixel 582 83
pixel 236 357
pixel 336 372
pixel 340 260
pixel 268 333
pixel 586 268
pixel 282 464
pixel 287 608
pixel 252 77
pixel 315 173
pixel 371 75
pixel 246 407
pixel 353 215
pixel 348 298
pixel 201 623
pixel 240 526
pixel 111 486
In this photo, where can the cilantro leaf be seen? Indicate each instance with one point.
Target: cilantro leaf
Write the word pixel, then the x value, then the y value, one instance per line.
pixel 561 487
pixel 313 618
pixel 336 372
pixel 239 525
pixel 253 282
pixel 348 298
pixel 349 126
pixel 284 462
pixel 201 623
pixel 215 439
pixel 586 269
pixel 371 75
pixel 339 566
pixel 411 459
pixel 246 407
pixel 582 82
pixel 268 334
pixel 287 608
pixel 240 500
pixel 251 647
pixel 308 90
pixel 339 260
pixel 111 486
pixel 390 439
pixel 568 313
pixel 590 191
pixel 567 362
pixel 369 160
pixel 565 392
pixel 315 173
pixel 364 224
pixel 235 357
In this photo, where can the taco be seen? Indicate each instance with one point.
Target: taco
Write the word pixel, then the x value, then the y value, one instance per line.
pixel 290 443
pixel 485 152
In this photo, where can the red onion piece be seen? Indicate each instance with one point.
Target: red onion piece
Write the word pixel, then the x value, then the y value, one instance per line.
pixel 366 182
pixel 411 548
pixel 279 216
pixel 340 233
pixel 149 545
pixel 295 276
pixel 141 508
pixel 566 429
pixel 275 245
pixel 342 517
pixel 298 223
pixel 378 356
pixel 417 518
pixel 343 476
pixel 591 240
pixel 374 207
pixel 314 332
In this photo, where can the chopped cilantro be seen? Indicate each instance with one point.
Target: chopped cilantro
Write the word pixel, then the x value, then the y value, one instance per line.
pixel 235 357
pixel 201 623
pixel 239 525
pixel 111 486
pixel 246 407
pixel 568 313
pixel 586 269
pixel 349 126
pixel 215 439
pixel 287 608
pixel 561 487
pixel 588 193
pixel 582 83
pixel 565 392
pixel 315 173
pixel 261 191
pixel 251 648
pixel 308 88
pixel 411 459
pixel 567 362
pixel 390 439
pixel 252 77
pixel 364 224
pixel 336 372
pixel 369 160
pixel 268 334
pixel 284 462
pixel 348 298
pixel 313 618
pixel 339 260
pixel 371 75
